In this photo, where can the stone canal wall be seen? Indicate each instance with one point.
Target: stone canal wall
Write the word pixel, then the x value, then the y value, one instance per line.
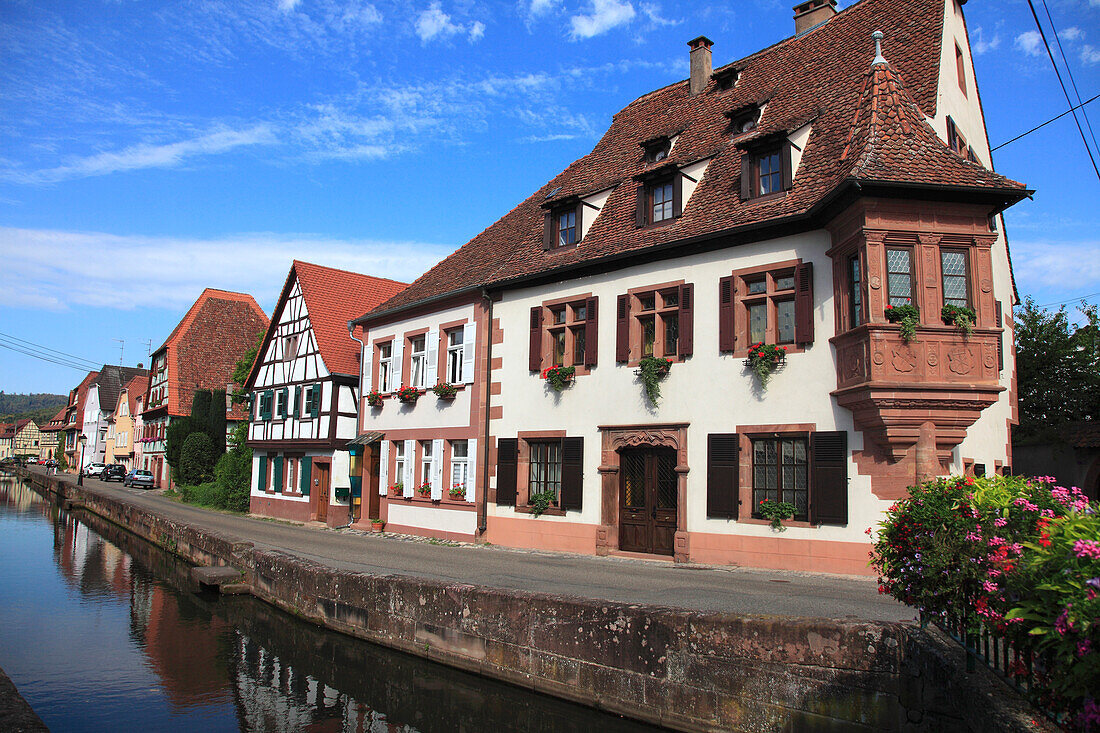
pixel 687 670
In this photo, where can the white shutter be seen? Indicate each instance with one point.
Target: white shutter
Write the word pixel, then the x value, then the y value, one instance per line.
pixel 471 469
pixel 431 346
pixel 366 368
pixel 437 469
pixel 468 352
pixel 410 458
pixel 384 468
pixel 395 367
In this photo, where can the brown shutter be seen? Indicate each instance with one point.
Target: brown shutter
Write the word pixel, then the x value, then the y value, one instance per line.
pixel 687 320
pixel 722 478
pixel 639 214
pixel 726 340
pixel 746 175
pixel 804 303
pixel 622 330
pixel 572 472
pixel 785 165
pixel 829 477
pixel 952 135
pixel 1000 337
pixel 547 231
pixel 507 448
pixel 580 213
pixel 535 357
pixel 591 331
pixel 678 195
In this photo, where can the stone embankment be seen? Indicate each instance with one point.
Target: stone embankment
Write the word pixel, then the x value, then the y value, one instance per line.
pixel 688 670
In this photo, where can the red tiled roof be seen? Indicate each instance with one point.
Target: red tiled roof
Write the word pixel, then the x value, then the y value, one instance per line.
pixel 7 430
pixel 57 422
pixel 135 388
pixel 821 77
pixel 334 297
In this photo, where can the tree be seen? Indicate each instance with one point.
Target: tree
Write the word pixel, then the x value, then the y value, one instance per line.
pixel 200 408
pixel 179 428
pixel 197 459
pixel 242 369
pixel 216 422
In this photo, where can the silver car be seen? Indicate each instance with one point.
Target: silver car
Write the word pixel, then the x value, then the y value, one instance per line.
pixel 139 478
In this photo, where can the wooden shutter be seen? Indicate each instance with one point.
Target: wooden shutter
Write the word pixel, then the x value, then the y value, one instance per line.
pixel 507 466
pixel 315 408
pixel 640 207
pixel 285 391
pixel 270 395
pixel 952 135
pixel 622 329
pixel 829 477
pixel 407 474
pixel 785 165
pixel 383 467
pixel 306 478
pixel 726 335
pixel 436 477
pixel 366 368
pixel 534 359
pixel 572 472
pixel 261 469
pixel 471 470
pixel 397 364
pixel 804 303
pixel 746 175
pixel 547 231
pixel 469 351
pixel 277 474
pixel 687 320
pixel 591 331
pixel 580 229
pixel 431 354
pixel 297 400
pixel 1000 337
pixel 678 195
pixel 722 475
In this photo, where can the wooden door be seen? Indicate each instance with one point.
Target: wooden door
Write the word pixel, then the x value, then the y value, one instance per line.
pixel 372 466
pixel 648 490
pixel 321 489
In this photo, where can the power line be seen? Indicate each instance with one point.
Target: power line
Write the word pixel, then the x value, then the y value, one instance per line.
pixel 1069 72
pixel 1043 35
pixel 43 358
pixel 1052 119
pixel 40 347
pixel 1071 300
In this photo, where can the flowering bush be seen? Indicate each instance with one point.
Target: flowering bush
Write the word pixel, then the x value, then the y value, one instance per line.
pixel 776 511
pixel 1015 556
pixel 409 395
pixel 445 391
pixel 765 359
pixel 374 398
pixel 558 377
pixel 961 316
pixel 651 370
pixel 908 316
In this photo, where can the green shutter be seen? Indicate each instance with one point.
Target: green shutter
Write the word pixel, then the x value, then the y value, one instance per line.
pixel 268 400
pixel 263 473
pixel 304 467
pixel 286 399
pixel 277 473
pixel 297 399
pixel 315 408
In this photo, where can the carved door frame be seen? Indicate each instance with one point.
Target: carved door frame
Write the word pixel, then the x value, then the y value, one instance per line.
pixel 614 437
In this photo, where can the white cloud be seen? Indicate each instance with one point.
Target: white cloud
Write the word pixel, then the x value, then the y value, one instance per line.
pixel 982 45
pixel 1090 54
pixel 477 31
pixel 1073 33
pixel 61 269
pixel 287 5
pixel 542 7
pixel 1044 266
pixel 365 14
pixel 1028 42
pixel 605 15
pixel 147 155
pixel 433 22
pixel 652 11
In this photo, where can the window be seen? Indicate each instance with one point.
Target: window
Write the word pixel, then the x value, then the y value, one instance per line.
pixel 960 68
pixel 399 462
pixel 955 139
pixel 567 327
pixel 418 362
pixel 567 227
pixel 454 355
pixel 725 79
pixel 311 400
pixel 656 322
pixel 657 150
pixel 291 466
pixel 772 306
pixel 899 276
pixel 425 461
pixel 766 171
pixel 855 293
pixel 770 300
pixel 563 224
pixel 280 403
pixel 264 412
pixel 768 175
pixel 660 202
pixel 780 472
pixel 545 468
pixel 460 465
pixel 385 366
pixel 290 347
pixel 955 282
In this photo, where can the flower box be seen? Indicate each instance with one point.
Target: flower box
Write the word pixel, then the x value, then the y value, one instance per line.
pixel 764 359
pixel 445 391
pixel 409 395
pixel 375 399
pixel 424 489
pixel 907 316
pixel 559 377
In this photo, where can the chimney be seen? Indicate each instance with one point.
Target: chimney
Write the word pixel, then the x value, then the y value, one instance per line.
pixel 700 64
pixel 812 12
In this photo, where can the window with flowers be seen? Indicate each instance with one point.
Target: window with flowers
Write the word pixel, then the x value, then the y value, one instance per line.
pixel 773 304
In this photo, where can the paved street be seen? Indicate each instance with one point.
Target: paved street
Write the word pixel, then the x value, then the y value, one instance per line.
pixel 735 590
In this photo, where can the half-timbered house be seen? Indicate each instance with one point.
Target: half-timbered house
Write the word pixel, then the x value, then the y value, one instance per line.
pixel 789 199
pixel 304 393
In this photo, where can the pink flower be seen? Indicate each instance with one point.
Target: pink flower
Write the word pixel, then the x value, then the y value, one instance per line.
pixel 989 586
pixel 1000 521
pixel 1087 548
pixel 995 541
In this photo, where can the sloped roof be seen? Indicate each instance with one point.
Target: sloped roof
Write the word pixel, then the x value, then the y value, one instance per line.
pixel 819 77
pixel 334 297
pixel 81 394
pixel 7 430
pixel 57 422
pixel 135 388
pixel 110 381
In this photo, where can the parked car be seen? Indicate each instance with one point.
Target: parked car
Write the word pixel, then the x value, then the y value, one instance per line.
pixel 94 469
pixel 139 477
pixel 114 472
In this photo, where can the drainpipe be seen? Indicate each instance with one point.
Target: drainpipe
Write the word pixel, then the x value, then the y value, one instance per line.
pixel 362 347
pixel 483 509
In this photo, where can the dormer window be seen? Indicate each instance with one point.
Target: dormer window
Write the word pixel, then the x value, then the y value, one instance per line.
pixel 725 79
pixel 744 119
pixel 562 225
pixel 567 227
pixel 660 201
pixel 660 198
pixel 766 169
pixel 657 149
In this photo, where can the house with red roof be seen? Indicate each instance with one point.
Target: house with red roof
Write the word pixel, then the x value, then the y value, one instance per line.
pixel 73 426
pixel 121 446
pixel 802 250
pixel 199 354
pixel 53 435
pixel 304 395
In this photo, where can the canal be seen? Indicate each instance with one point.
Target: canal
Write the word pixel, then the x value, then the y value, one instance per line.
pixel 101 631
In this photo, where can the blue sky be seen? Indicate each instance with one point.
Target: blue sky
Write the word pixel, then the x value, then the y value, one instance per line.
pixel 150 149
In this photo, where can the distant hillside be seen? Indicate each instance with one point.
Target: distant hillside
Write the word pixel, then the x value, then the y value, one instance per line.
pixel 38 407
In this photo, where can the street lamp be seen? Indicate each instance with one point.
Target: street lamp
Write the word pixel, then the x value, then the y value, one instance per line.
pixel 80 474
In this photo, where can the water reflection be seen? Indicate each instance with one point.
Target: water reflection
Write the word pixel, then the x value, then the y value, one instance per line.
pixel 122 642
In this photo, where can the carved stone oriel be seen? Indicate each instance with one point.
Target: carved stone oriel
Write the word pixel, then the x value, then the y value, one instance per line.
pixel 960 360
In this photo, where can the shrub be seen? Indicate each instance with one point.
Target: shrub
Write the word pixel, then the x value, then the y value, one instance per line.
pixel 197 459
pixel 233 474
pixel 206 494
pixel 178 430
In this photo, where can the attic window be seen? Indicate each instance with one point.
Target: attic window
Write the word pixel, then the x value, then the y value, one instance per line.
pixel 562 225
pixel 766 170
pixel 725 79
pixel 745 119
pixel 657 150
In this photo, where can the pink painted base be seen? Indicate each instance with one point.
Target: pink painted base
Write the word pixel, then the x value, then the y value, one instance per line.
pixel 541 535
pixel 278 508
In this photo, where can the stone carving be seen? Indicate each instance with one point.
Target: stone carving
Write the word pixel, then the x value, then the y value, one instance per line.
pixel 903 360
pixel 876 283
pixel 635 438
pixel 853 367
pixel 933 357
pixel 990 359
pixel 987 286
pixel 960 360
pixel 878 358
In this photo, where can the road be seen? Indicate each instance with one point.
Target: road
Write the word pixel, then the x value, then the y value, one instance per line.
pixel 627 580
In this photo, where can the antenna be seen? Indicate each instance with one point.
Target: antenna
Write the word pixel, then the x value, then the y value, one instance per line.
pixel 148 346
pixel 121 349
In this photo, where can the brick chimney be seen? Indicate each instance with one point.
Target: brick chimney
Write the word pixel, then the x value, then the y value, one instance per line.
pixel 701 66
pixel 812 12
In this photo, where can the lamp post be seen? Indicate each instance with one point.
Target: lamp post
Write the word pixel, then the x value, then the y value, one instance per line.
pixel 80 474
